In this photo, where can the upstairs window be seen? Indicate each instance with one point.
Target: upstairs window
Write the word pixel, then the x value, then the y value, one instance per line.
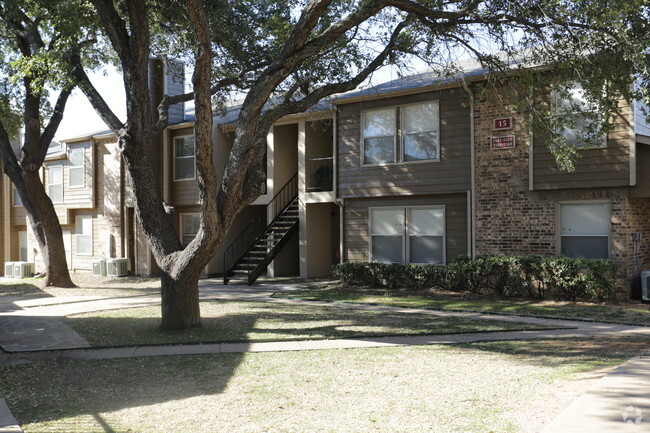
pixel 585 230
pixel 401 134
pixel 379 129
pixel 189 227
pixel 184 158
pixel 577 112
pixel 76 169
pixel 55 183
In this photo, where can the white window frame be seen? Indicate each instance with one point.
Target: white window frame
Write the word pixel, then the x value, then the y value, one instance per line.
pixel 16 201
pixel 78 234
pixel 183 157
pixel 182 216
pixel 398 137
pixel 406 235
pixel 22 238
pixel 555 101
pixel 50 184
pixel 81 168
pixel 583 203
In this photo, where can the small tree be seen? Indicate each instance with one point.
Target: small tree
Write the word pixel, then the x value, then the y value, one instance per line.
pixel 35 46
pixel 286 56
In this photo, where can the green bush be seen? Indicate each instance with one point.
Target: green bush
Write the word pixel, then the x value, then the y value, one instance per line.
pixel 563 278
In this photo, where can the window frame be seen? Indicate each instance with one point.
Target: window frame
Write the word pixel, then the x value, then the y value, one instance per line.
pixel 406 236
pixel 78 224
pixel 584 203
pixel 181 232
pixel 71 167
pixel 555 104
pixel 398 137
pixel 50 184
pixel 175 158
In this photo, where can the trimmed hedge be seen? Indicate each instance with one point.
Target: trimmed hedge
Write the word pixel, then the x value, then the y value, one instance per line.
pixel 563 278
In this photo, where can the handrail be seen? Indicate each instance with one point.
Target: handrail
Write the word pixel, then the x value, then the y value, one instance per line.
pixel 245 240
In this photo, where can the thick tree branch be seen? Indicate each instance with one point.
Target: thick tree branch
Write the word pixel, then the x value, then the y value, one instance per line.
pixel 53 124
pixel 327 90
pixel 115 28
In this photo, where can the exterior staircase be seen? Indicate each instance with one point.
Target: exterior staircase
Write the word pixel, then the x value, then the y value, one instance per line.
pixel 251 261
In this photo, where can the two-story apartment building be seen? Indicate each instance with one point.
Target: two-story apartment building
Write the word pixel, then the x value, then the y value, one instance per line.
pixel 430 168
pixel 420 170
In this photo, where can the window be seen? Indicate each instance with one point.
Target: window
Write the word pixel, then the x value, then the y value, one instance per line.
pixel 55 183
pixel 184 158
pixel 23 246
pixel 76 169
pixel 84 235
pixel 189 227
pixel 576 111
pixel 420 132
pixel 17 200
pixel 416 138
pixel 407 235
pixel 585 230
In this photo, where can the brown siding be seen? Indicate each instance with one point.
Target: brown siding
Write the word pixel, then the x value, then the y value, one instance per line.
pixel 183 192
pixel 356 228
pixel 450 174
pixel 598 167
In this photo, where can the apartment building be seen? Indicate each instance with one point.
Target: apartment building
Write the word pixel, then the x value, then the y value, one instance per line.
pixel 420 170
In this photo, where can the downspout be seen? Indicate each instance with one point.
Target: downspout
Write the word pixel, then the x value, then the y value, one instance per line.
pixel 340 202
pixel 471 222
pixel 6 197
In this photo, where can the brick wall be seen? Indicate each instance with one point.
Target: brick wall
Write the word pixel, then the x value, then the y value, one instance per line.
pixel 511 219
pixel 508 219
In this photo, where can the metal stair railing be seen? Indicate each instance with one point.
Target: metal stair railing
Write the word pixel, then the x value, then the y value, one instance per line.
pixel 245 241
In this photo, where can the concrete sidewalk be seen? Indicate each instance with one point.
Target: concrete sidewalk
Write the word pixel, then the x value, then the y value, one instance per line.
pixel 618 402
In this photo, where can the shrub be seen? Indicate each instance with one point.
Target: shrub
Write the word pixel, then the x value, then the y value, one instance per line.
pixel 562 277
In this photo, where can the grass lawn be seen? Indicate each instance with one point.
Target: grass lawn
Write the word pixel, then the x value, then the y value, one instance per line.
pixel 629 313
pixel 14 288
pixel 487 387
pixel 229 321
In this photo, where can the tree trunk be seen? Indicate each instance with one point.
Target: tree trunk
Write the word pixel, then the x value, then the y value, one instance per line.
pixel 180 302
pixel 47 229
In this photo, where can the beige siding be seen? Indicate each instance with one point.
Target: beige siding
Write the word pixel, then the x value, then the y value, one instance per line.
pixel 450 174
pixel 183 192
pixel 356 228
pixel 79 197
pixel 595 168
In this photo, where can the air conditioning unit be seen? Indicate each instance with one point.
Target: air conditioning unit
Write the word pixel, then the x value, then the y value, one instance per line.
pixel 9 269
pixel 99 268
pixel 116 267
pixel 645 286
pixel 23 269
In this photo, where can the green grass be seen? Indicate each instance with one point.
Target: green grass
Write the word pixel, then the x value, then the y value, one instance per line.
pixel 230 321
pixel 637 314
pixel 486 387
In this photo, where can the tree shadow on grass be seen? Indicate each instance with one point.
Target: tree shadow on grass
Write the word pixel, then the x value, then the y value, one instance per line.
pixel 586 353
pixel 13 288
pixel 250 321
pixel 47 394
